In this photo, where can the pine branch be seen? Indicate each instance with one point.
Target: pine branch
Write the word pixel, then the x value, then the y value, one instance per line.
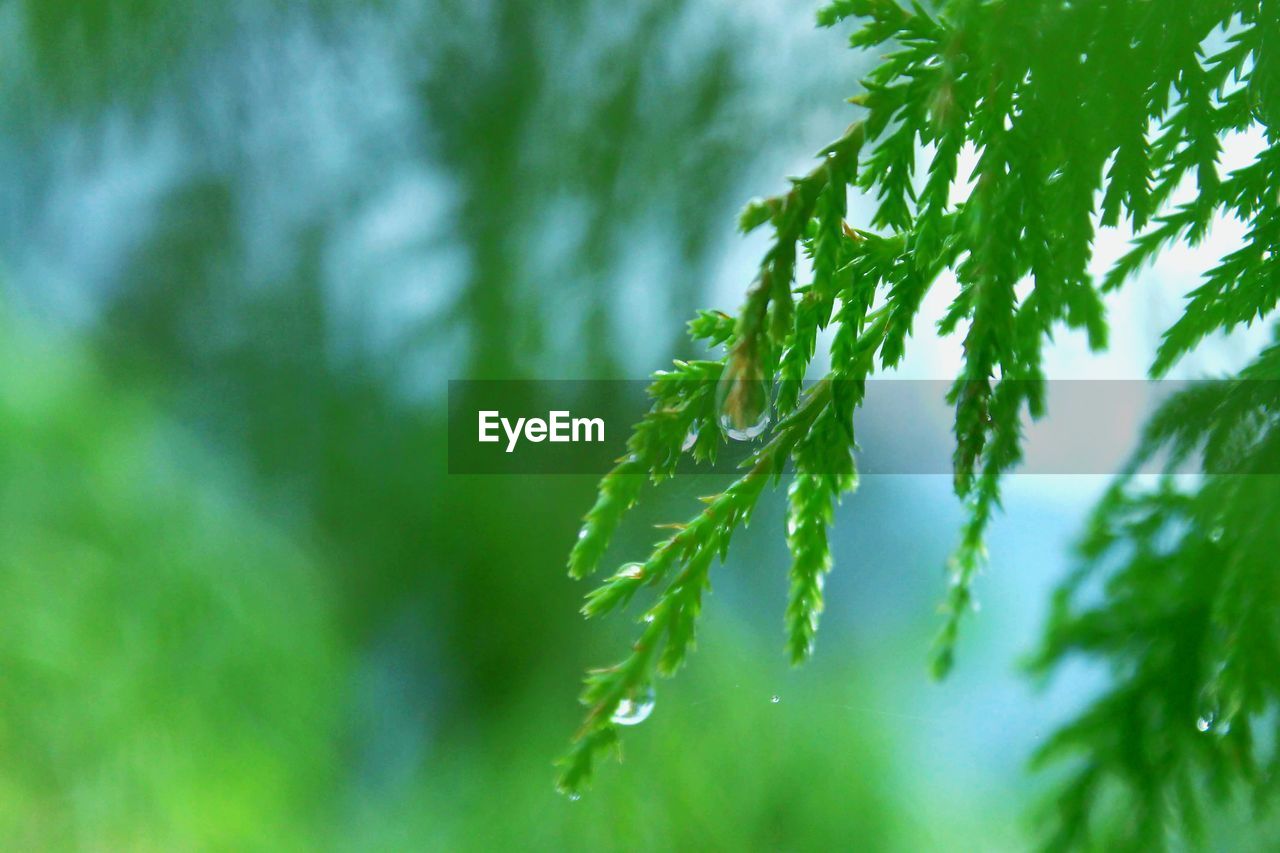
pixel 669 625
pixel 1081 116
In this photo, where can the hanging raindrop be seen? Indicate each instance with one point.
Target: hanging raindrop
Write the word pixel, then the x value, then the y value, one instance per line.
pixel 742 400
pixel 636 709
pixel 690 438
pixel 1209 717
pixel 633 571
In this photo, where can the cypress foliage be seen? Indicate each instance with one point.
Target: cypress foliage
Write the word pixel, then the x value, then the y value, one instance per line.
pixel 1082 116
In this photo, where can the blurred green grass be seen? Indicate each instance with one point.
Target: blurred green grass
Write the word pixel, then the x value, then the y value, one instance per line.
pixel 171 676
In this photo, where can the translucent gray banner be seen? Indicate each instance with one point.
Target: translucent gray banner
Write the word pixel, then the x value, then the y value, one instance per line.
pixel 902 426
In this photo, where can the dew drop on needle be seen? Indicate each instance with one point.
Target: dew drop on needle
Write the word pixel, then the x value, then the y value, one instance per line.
pixel 742 404
pixel 636 709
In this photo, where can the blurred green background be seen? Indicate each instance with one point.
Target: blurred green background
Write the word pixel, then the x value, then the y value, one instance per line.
pixel 243 247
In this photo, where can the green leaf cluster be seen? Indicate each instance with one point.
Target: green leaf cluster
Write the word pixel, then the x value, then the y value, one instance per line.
pixel 1077 117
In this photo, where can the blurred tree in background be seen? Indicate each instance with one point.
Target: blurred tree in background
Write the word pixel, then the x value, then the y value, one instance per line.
pixel 233 287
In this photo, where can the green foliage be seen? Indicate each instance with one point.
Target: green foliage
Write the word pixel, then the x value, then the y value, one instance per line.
pixel 685 557
pixel 823 471
pixel 1187 621
pixel 1080 116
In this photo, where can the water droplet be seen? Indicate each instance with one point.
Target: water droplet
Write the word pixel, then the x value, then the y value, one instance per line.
pixel 742 400
pixel 635 710
pixel 634 571
pixel 792 525
pixel 648 617
pixel 574 797
pixel 1217 533
pixel 775 698
pixel 690 438
pixel 1209 712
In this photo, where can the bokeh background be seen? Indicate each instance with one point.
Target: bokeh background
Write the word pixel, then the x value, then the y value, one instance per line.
pixel 243 247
